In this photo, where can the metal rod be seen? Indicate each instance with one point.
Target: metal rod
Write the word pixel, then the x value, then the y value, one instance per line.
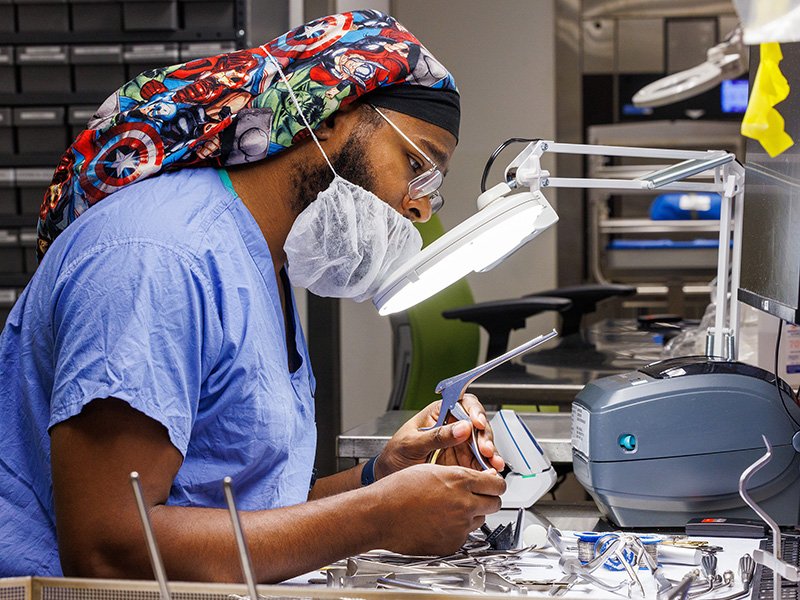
pixel 682 170
pixel 776 532
pixel 736 270
pixel 626 184
pixel 244 553
pixel 150 538
pixel 625 151
pixel 723 260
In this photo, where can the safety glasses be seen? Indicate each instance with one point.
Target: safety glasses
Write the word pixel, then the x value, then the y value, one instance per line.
pixel 426 184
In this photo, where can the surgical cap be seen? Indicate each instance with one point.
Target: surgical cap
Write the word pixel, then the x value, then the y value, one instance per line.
pixel 438 106
pixel 233 109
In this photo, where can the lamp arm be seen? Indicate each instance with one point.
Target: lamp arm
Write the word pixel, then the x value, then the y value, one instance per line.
pixel 526 171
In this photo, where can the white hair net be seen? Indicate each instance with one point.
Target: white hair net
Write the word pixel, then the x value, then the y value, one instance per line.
pixel 347 241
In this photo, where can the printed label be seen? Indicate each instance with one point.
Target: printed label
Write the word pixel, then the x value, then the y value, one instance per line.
pixel 792 348
pixel 580 429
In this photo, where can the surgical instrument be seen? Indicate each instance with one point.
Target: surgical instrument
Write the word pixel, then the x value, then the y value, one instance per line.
pixel 747 567
pixel 453 388
pixel 771 561
pixel 518 526
pixel 361 573
pixel 682 591
pixel 570 565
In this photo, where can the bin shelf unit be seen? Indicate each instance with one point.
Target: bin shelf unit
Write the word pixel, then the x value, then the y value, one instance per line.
pixel 59 60
pixel 670 261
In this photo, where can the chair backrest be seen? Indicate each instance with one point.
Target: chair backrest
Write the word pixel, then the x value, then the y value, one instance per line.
pixel 427 347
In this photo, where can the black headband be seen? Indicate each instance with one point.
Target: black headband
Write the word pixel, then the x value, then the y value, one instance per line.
pixel 438 106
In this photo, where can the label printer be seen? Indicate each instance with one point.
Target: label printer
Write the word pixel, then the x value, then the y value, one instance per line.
pixel 667 443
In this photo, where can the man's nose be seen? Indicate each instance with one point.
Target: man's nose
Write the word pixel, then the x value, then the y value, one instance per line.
pixel 418 210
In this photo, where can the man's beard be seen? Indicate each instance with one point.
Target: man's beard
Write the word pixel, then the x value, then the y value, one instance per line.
pixel 350 163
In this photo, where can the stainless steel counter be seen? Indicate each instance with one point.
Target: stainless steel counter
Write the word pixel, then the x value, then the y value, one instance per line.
pixel 551 430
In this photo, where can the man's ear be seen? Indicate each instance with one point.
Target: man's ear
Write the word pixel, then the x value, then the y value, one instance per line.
pixel 341 118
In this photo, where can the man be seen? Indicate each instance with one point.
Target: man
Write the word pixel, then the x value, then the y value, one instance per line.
pixel 160 335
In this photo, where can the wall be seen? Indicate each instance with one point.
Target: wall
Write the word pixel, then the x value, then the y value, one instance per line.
pixel 502 57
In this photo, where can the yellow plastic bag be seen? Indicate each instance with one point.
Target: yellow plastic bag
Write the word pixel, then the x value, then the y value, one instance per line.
pixel 761 120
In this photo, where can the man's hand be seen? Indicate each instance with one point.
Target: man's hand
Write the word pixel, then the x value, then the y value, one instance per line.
pixel 410 446
pixel 430 509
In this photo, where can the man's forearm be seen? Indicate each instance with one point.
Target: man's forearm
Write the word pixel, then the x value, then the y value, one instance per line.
pixel 197 544
pixel 336 484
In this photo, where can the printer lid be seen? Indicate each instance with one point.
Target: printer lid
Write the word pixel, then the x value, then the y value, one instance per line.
pixel 703 365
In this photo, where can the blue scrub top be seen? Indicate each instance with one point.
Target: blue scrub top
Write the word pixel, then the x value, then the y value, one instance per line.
pixel 162 295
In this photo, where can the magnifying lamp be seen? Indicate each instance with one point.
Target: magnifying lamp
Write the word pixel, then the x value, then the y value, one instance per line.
pixel 478 244
pixel 726 60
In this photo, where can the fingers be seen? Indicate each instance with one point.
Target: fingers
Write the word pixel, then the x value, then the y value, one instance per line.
pixel 487 483
pixel 445 436
pixel 428 416
pixel 475 411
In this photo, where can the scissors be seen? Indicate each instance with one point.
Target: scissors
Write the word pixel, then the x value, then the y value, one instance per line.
pixel 453 388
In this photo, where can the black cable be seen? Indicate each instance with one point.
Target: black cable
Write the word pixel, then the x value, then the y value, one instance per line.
pixel 494 155
pixel 560 478
pixel 777 384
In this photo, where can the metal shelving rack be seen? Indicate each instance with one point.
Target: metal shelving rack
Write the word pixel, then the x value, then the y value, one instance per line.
pixel 58 27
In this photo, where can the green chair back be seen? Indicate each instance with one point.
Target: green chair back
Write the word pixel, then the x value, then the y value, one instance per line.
pixel 439 347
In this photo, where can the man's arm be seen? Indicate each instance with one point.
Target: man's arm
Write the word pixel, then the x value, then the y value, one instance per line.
pixel 100 535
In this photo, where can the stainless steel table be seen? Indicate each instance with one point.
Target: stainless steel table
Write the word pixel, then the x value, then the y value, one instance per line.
pixel 551 430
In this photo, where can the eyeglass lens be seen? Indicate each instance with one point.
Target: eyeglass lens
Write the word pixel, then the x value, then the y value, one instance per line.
pixel 437 202
pixel 425 184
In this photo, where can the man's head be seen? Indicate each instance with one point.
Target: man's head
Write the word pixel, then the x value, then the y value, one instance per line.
pixel 249 115
pixel 381 150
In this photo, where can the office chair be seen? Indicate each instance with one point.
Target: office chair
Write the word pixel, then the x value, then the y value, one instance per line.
pixel 427 347
pixel 501 317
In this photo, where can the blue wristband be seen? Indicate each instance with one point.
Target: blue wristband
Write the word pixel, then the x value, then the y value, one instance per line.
pixel 368 472
pixel 313 479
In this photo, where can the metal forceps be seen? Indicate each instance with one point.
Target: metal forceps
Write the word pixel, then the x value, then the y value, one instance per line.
pixel 453 388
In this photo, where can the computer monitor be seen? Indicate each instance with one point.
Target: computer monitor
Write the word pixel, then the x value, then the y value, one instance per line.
pixel 733 95
pixel 770 274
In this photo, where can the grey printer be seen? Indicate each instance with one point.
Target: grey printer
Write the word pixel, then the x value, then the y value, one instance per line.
pixel 667 443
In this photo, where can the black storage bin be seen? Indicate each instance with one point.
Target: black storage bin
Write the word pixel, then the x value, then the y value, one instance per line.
pixel 96 15
pixel 98 68
pixel 44 69
pixel 77 118
pixel 7 20
pixel 8 78
pixel 7 298
pixel 28 240
pixel 39 16
pixel 8 192
pixel 32 183
pixel 142 57
pixel 149 15
pixel 40 129
pixel 11 255
pixel 209 14
pixel 193 50
pixel 6 131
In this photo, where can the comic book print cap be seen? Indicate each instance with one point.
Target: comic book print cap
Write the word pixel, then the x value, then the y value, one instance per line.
pixel 233 109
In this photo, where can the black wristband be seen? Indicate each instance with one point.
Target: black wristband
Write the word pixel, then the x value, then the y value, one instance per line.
pixel 368 472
